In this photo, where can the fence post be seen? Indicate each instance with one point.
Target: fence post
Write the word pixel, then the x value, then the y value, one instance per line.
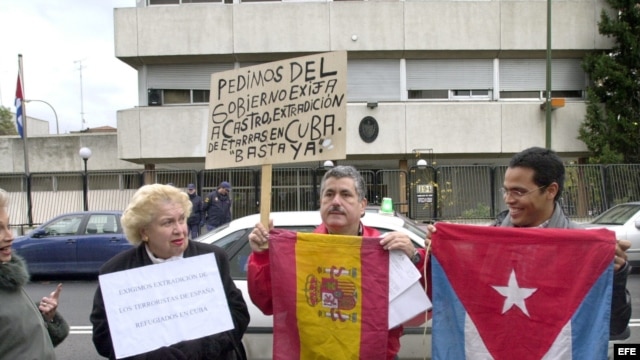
pixel 29 202
pixel 436 189
pixel 608 194
pixel 492 182
pixel 256 184
pixel 314 185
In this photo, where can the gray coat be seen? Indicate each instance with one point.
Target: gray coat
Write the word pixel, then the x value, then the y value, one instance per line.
pixel 24 333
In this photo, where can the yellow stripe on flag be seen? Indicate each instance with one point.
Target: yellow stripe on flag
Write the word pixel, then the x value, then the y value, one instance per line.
pixel 329 287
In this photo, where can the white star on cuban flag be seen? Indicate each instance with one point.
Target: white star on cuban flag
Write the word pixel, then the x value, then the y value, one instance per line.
pixel 514 294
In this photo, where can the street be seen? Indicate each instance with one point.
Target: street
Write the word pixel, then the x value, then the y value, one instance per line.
pixel 77 298
pixel 75 305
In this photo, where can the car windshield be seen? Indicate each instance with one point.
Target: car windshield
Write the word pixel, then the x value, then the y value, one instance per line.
pixel 617 215
pixel 411 226
pixel 67 225
pixel 202 238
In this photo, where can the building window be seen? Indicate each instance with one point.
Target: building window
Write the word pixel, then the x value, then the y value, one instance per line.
pixel 176 97
pixel 429 94
pixel 470 95
pixel 373 80
pixel 450 94
pixel 163 2
pixel 176 2
pixel 541 95
pixel 576 94
pixel 449 79
pixel 520 95
pixel 201 96
pixel 526 78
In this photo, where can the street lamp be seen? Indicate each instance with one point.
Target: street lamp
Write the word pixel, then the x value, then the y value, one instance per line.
pixel 328 164
pixel 85 154
pixel 54 113
pixel 422 163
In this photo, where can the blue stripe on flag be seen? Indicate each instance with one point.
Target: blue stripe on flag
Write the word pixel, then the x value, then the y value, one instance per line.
pixel 592 317
pixel 448 317
pixel 19 117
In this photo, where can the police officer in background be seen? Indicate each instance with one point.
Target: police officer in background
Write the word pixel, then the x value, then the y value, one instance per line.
pixel 196 219
pixel 217 206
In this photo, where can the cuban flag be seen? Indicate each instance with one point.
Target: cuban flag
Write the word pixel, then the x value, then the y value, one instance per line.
pixel 521 293
pixel 19 101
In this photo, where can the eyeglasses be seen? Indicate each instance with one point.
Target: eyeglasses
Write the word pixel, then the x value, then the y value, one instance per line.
pixel 517 194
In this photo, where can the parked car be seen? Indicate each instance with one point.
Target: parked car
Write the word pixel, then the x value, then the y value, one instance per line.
pixel 233 238
pixel 624 220
pixel 422 226
pixel 73 243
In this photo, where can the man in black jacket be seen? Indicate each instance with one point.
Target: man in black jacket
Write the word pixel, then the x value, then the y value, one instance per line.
pixel 195 220
pixel 217 206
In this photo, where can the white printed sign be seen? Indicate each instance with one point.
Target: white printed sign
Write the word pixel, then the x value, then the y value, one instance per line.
pixel 159 305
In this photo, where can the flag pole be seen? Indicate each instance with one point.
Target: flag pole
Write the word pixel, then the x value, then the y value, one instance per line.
pixel 20 94
pixel 265 198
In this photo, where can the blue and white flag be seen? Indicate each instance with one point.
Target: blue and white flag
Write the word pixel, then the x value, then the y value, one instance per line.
pixel 521 293
pixel 19 101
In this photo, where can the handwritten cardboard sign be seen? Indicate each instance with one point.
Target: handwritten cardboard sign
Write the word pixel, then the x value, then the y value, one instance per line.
pixel 280 112
pixel 159 305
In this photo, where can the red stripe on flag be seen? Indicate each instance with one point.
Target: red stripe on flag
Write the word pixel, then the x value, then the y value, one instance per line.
pixel 375 299
pixel 286 337
pixel 19 107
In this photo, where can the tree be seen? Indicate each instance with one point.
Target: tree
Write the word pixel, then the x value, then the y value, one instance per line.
pixel 611 128
pixel 7 126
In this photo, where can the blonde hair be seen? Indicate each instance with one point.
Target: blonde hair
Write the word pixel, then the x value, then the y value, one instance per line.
pixel 143 208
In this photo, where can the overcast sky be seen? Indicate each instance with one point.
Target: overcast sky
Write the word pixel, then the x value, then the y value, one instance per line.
pixel 55 38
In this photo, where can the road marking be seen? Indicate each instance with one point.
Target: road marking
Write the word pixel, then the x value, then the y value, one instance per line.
pixel 80 330
pixel 87 330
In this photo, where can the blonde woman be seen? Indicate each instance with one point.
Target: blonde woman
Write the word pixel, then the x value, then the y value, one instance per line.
pixel 155 222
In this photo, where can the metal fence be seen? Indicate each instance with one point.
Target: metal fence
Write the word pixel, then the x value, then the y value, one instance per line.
pixel 453 193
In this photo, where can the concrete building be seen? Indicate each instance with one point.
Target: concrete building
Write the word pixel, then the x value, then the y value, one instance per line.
pixel 51 153
pixel 464 80
pixel 35 126
pixel 54 153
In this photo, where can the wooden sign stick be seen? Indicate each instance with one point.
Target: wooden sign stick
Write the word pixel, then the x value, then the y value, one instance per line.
pixel 265 197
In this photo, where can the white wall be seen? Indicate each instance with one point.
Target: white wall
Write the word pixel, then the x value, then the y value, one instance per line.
pixel 160 134
pixel 60 153
pixel 256 30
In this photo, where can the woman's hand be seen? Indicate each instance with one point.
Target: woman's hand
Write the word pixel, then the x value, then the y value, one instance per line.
pixel 49 304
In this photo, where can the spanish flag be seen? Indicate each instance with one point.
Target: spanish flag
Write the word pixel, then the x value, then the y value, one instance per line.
pixel 330 296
